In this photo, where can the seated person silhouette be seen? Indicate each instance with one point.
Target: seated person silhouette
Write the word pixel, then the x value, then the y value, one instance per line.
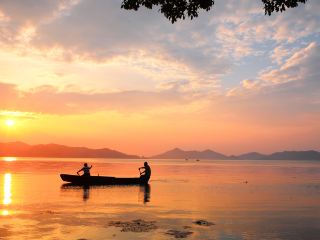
pixel 146 174
pixel 86 170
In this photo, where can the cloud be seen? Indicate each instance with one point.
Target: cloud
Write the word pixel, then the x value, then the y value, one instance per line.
pixel 303 64
pixel 18 115
pixel 18 17
pixel 249 84
pixel 48 99
pixel 247 32
pixel 8 92
pixel 293 26
pixel 279 54
pixel 200 51
pixel 99 31
pixel 291 91
pixel 183 60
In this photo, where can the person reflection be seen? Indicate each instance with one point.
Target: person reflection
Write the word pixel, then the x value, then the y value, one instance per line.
pixel 86 193
pixel 145 191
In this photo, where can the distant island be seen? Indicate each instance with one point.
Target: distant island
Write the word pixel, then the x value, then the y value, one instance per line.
pixel 20 149
pixel 178 153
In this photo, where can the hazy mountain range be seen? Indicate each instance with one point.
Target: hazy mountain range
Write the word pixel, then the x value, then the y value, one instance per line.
pixel 177 153
pixel 20 149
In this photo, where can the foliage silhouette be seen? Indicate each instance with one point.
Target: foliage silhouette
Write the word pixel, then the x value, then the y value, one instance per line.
pixel 180 9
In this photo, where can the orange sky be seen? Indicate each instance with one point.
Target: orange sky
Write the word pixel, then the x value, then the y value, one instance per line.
pixel 86 73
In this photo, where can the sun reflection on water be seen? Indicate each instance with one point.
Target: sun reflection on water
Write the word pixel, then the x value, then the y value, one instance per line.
pixel 5 212
pixel 7 189
pixel 9 159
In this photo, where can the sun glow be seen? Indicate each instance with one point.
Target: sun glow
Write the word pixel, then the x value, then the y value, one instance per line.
pixel 10 122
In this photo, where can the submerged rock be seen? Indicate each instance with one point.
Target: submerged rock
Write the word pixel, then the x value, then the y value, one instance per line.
pixel 203 223
pixel 179 234
pixel 137 225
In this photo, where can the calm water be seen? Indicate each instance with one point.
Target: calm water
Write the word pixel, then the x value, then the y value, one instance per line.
pixel 245 199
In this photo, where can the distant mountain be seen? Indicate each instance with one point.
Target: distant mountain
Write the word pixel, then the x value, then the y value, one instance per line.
pixel 251 156
pixel 285 155
pixel 294 155
pixel 19 149
pixel 178 153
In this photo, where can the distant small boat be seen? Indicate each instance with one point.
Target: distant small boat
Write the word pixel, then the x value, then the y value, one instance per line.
pixel 102 180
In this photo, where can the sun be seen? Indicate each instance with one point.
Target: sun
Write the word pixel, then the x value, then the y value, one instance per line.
pixel 10 122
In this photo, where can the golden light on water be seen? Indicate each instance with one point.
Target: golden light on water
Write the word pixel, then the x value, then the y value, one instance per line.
pixel 7 189
pixel 9 159
pixel 5 213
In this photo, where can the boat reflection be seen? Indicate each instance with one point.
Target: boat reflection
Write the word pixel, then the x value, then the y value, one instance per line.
pixel 113 191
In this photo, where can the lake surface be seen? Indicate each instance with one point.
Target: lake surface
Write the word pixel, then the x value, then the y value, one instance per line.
pixel 244 199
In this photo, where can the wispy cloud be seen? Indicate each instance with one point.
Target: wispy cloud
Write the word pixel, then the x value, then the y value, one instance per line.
pixel 50 100
pixel 18 115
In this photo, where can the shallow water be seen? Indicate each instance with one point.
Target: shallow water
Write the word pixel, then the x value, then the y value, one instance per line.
pixel 245 199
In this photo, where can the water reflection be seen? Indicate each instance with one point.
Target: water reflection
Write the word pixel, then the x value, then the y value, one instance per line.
pixel 145 191
pixel 86 193
pixel 9 159
pixel 280 201
pixel 5 212
pixel 111 192
pixel 7 189
pixel 6 193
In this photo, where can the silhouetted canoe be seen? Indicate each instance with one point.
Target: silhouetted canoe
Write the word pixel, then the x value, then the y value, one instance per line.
pixel 101 180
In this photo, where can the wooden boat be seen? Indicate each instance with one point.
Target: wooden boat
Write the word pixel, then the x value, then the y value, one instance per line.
pixel 102 180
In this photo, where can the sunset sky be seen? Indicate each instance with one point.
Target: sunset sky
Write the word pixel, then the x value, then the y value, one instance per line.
pixel 88 73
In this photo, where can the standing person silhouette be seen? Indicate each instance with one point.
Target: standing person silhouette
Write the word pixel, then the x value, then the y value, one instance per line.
pixel 146 174
pixel 86 170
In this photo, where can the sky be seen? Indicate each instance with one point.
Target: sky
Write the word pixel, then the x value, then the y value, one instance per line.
pixel 88 73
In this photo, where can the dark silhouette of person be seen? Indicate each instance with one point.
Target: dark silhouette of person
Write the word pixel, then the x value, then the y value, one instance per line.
pixel 86 170
pixel 146 174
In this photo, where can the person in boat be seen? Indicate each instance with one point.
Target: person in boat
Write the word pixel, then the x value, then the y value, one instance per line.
pixel 147 171
pixel 85 170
